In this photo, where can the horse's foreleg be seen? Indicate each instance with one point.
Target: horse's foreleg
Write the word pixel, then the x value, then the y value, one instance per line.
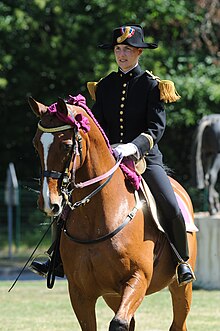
pixel 181 299
pixel 182 296
pixel 132 296
pixel 114 302
pixel 84 308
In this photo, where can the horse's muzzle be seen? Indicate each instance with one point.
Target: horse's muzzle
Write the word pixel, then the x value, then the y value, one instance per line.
pixel 50 205
pixel 55 209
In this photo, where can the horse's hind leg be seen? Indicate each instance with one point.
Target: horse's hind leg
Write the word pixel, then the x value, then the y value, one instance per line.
pixel 114 302
pixel 84 308
pixel 181 299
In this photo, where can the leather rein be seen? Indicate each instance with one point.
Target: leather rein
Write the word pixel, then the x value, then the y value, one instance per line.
pixel 69 181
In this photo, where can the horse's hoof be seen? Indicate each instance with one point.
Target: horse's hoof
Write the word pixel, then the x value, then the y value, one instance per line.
pixel 118 325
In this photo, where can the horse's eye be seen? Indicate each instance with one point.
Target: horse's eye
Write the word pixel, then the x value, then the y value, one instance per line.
pixel 67 147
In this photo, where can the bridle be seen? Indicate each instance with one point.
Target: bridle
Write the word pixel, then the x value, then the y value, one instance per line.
pixel 52 173
pixel 69 181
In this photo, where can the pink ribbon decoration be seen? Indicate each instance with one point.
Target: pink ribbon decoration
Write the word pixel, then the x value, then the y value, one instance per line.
pixel 128 168
pixel 80 121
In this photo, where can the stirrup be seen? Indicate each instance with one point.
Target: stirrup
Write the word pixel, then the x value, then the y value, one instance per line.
pixel 187 277
pixel 40 268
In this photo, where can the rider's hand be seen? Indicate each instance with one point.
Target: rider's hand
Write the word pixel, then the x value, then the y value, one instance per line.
pixel 126 150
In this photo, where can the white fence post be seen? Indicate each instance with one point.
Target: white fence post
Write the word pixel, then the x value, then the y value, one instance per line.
pixel 208 257
pixel 11 199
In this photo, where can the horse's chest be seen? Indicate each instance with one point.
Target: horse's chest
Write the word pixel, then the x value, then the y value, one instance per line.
pixel 96 268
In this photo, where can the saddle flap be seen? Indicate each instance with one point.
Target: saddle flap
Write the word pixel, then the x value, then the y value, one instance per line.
pixel 190 226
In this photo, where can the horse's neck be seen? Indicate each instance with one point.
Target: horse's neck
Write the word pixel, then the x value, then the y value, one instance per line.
pixel 109 207
pixel 98 161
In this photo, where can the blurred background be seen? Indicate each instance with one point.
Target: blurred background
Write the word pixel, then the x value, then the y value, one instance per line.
pixel 48 48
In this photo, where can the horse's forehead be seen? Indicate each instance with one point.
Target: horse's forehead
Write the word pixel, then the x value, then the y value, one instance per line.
pixel 49 120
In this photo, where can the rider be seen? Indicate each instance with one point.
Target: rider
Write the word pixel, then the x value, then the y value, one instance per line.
pixel 129 107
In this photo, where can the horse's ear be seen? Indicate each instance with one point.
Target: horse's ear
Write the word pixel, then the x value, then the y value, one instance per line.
pixel 62 106
pixel 38 108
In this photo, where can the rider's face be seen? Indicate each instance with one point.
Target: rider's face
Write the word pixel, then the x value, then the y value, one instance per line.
pixel 127 56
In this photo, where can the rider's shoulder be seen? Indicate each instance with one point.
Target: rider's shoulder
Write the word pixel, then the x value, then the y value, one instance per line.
pixel 168 92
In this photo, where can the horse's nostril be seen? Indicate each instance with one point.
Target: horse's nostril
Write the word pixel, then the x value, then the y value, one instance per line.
pixel 55 208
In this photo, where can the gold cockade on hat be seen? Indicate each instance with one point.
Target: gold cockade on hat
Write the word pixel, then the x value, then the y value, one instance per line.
pixel 124 35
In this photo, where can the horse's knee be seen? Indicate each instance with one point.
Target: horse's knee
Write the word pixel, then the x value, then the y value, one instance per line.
pixel 118 325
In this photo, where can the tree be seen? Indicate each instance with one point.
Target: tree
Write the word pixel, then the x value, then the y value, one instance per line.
pixel 48 49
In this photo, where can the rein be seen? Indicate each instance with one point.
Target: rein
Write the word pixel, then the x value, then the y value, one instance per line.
pixel 128 218
pixel 99 178
pixel 89 196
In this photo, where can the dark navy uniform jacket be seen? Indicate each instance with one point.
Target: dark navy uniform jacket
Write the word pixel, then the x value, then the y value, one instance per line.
pixel 128 105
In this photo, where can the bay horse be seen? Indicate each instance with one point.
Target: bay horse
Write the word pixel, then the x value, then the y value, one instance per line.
pixel 205 158
pixel 110 247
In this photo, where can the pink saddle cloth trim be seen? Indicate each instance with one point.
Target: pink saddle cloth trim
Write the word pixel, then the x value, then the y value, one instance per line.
pixel 188 218
pixel 190 225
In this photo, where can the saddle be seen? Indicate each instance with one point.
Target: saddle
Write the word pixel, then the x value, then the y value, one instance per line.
pixel 148 196
pixel 133 170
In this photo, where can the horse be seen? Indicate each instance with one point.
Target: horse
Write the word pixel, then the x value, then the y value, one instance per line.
pixel 205 158
pixel 110 246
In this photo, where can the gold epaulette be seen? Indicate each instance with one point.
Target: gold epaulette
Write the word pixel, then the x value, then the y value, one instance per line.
pixel 92 86
pixel 168 92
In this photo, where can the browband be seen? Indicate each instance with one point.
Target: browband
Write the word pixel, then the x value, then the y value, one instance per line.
pixel 56 129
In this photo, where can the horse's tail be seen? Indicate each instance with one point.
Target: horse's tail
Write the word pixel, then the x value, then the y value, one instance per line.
pixel 197 170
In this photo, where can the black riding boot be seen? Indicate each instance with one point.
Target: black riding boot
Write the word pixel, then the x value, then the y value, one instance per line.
pixel 178 240
pixel 42 269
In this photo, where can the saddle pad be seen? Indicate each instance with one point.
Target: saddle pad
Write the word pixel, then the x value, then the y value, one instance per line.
pixel 190 226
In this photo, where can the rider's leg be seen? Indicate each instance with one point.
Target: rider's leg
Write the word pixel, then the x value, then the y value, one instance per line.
pixel 173 222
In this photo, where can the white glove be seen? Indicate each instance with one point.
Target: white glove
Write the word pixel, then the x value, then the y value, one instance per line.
pixel 127 150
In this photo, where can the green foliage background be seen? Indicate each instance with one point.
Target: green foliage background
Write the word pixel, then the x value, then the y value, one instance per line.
pixel 48 48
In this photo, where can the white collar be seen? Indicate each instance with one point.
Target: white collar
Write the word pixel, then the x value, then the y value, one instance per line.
pixel 125 72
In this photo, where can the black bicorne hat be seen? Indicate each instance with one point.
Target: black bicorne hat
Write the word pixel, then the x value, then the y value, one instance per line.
pixel 132 35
